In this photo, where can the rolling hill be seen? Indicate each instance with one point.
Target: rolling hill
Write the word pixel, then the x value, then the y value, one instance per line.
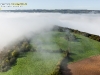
pixel 50 49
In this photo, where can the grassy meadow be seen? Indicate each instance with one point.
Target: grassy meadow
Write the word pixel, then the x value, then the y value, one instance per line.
pixel 48 45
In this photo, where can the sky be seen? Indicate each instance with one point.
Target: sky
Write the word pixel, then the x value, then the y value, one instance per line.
pixel 54 4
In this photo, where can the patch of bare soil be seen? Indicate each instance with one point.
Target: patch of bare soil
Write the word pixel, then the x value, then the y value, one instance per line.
pixel 89 66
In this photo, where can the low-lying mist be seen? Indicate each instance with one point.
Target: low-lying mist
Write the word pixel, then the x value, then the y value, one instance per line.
pixel 17 25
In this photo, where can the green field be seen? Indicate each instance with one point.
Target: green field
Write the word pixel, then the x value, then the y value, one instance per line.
pixel 84 48
pixel 35 64
pixel 47 55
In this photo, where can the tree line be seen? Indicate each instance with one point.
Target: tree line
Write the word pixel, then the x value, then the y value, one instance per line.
pixel 9 55
pixel 91 36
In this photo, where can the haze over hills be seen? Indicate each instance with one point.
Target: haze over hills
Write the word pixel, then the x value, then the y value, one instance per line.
pixel 53 11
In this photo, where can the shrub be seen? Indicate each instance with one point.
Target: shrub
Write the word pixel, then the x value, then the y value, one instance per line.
pixel 15 53
pixel 12 60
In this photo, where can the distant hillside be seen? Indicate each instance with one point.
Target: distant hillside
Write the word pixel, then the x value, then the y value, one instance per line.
pixel 53 11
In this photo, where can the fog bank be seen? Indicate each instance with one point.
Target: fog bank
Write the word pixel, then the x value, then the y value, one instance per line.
pixel 16 25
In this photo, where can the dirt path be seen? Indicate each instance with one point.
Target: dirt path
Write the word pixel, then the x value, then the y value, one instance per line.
pixel 89 66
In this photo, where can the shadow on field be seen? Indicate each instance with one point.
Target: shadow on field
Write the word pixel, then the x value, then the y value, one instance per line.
pixel 70 59
pixel 22 55
pixel 63 67
pixel 64 70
